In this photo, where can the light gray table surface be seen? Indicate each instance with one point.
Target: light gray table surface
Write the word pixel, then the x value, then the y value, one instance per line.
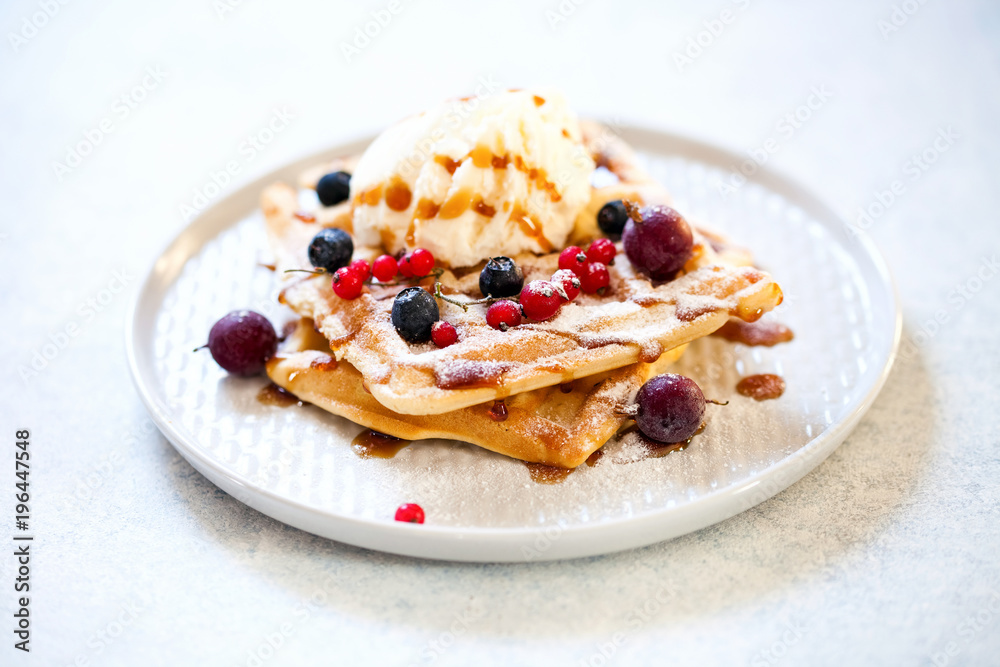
pixel 886 554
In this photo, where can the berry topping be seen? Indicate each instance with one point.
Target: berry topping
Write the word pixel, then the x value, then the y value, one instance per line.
pixel 331 249
pixel 362 268
pixel 410 513
pixel 568 282
pixel 347 283
pixel 242 341
pixel 385 268
pixel 540 300
pixel 503 315
pixel 421 262
pixel 573 259
pixel 595 277
pixel 405 267
pixel 612 218
pixel 601 250
pixel 443 334
pixel 657 240
pixel 501 277
pixel 414 312
pixel 671 408
pixel 334 188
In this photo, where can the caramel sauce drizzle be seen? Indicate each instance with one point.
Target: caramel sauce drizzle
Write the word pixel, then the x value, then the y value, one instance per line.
pixel 482 208
pixel 446 162
pixel 398 195
pixel 374 445
pixel 323 363
pixel 455 205
pixel 272 394
pixel 499 412
pixel 546 474
pixel 762 387
pixel 755 333
pixel 530 229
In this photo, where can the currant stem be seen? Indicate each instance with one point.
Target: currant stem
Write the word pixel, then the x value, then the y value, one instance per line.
pixel 714 402
pixel 627 411
pixel 436 272
pixel 633 211
pixel 315 272
pixel 464 305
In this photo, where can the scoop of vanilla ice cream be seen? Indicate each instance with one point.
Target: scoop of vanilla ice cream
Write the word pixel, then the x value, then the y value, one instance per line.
pixel 475 178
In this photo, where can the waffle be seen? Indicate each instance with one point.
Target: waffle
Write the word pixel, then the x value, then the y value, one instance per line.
pixel 634 321
pixel 558 426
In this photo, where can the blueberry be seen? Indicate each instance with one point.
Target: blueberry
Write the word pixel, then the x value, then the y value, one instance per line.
pixel 334 188
pixel 501 277
pixel 331 249
pixel 612 218
pixel 414 312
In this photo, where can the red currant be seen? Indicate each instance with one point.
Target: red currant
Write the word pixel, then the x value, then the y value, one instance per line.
pixel 569 282
pixel 405 267
pixel 385 268
pixel 601 250
pixel 595 277
pixel 573 259
pixel 362 268
pixel 503 315
pixel 443 334
pixel 540 300
pixel 347 283
pixel 422 262
pixel 410 513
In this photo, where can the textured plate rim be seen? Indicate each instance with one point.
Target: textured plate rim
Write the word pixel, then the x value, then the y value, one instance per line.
pixel 512 544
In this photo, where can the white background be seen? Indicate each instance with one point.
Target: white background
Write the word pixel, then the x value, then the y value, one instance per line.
pixel 887 554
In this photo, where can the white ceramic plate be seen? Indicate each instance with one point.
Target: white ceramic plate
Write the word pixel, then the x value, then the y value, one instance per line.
pixel 296 465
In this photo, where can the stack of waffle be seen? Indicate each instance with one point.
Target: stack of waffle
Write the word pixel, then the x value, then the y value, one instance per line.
pixel 564 382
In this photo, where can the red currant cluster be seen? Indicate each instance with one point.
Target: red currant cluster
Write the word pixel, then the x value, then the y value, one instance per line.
pixel 541 299
pixel 349 280
pixel 590 266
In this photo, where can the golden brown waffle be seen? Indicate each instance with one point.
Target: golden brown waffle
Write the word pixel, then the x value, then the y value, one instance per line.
pixel 633 321
pixel 558 426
